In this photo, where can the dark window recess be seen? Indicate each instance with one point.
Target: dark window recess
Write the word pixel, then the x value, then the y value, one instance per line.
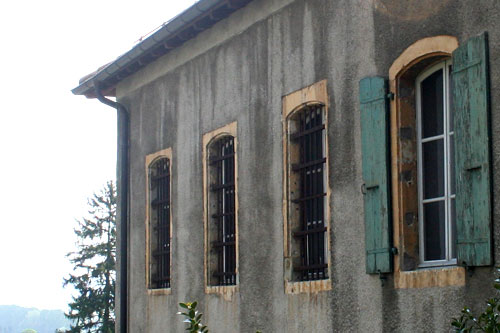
pixel 311 203
pixel 223 190
pixel 160 224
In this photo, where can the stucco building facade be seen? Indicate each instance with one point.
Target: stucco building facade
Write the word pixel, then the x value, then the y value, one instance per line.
pixel 356 189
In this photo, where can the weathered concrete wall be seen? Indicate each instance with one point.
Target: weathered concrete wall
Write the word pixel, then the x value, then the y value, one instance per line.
pixel 238 71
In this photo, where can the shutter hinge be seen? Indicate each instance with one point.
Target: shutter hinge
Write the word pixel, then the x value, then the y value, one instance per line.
pixel 394 250
pixel 390 96
pixel 382 277
pixel 468 269
pixel 369 186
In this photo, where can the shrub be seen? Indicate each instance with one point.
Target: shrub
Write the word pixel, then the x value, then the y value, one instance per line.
pixel 488 321
pixel 193 318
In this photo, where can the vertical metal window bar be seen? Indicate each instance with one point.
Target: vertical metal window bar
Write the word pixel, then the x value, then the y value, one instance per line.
pixel 160 204
pixel 310 139
pixel 224 192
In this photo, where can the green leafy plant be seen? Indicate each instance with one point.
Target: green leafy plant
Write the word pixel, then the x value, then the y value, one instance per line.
pixel 488 321
pixel 193 318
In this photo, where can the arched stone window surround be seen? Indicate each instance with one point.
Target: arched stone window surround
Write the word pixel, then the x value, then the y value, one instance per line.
pixel 405 68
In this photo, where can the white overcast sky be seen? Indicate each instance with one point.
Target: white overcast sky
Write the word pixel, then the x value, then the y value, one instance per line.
pixel 56 149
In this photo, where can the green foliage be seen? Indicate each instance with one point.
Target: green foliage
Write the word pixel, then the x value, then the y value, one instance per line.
pixel 93 277
pixel 193 318
pixel 488 321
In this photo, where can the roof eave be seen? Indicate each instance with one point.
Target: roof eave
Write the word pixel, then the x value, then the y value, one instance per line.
pixel 197 18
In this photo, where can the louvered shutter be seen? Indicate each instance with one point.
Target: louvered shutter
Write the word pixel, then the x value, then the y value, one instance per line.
pixel 472 161
pixel 375 144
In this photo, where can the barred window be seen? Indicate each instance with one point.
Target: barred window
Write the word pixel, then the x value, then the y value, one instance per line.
pixel 159 224
pixel 308 193
pixel 221 223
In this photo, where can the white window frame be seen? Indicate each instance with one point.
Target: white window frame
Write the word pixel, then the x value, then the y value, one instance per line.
pixel 448 196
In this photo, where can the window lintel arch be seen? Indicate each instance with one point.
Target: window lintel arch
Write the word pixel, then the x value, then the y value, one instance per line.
pixel 156 160
pixel 302 106
pixel 217 137
pixel 422 49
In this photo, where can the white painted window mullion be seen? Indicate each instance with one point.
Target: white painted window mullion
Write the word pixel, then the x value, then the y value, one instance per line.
pixel 446 137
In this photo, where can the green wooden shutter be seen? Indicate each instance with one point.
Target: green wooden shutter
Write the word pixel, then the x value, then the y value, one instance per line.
pixel 472 157
pixel 375 144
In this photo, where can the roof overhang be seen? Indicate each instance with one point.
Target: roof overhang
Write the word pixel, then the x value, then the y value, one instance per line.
pixel 185 26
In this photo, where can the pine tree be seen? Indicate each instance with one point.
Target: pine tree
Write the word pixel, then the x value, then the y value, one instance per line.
pixel 93 277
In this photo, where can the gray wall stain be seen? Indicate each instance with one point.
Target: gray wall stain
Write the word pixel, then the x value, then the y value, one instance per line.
pixel 243 78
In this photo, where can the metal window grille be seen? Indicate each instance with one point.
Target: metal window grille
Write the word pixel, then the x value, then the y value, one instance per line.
pixel 223 190
pixel 310 138
pixel 160 233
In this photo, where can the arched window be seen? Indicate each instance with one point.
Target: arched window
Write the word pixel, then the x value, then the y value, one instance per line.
pixel 307 248
pixel 221 210
pixel 439 170
pixel 159 224
pixel 436 166
pixel 307 172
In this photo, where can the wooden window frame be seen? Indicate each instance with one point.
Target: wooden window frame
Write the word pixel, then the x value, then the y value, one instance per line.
pixel 150 160
pixel 415 58
pixel 226 291
pixel 312 95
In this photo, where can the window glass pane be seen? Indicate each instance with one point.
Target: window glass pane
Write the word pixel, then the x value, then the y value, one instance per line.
pixel 453 228
pixel 434 231
pixel 433 169
pixel 432 104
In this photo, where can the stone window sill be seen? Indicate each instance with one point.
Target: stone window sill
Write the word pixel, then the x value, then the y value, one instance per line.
pixel 159 292
pixel 430 277
pixel 307 287
pixel 227 292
